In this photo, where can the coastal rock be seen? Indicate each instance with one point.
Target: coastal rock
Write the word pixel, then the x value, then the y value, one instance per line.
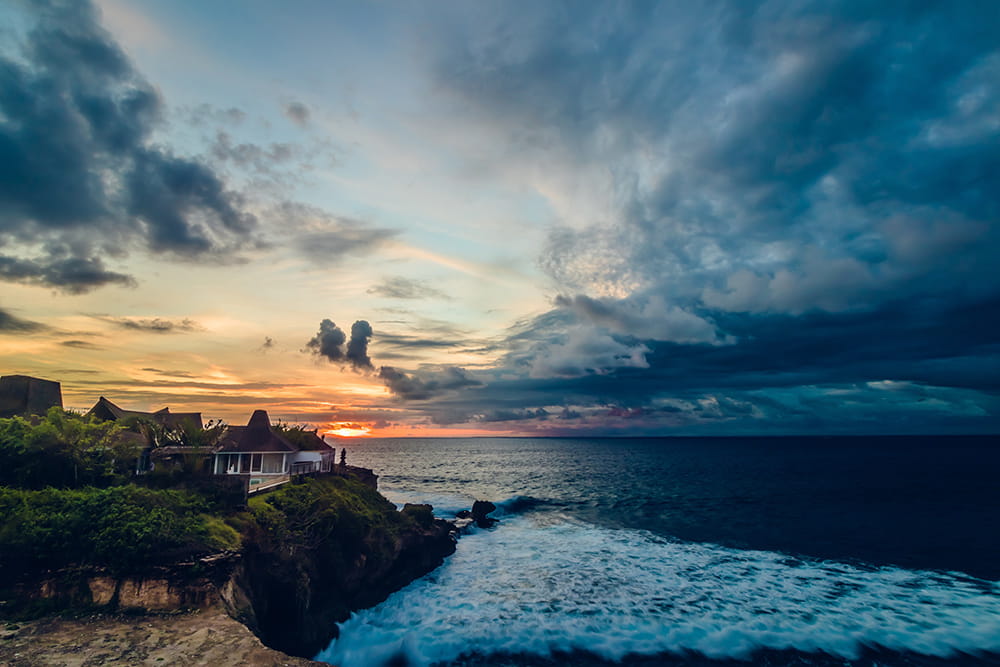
pixel 297 593
pixel 480 511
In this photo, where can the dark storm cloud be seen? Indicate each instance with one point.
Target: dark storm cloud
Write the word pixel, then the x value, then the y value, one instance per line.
pixel 330 341
pixel 61 270
pixel 155 325
pixel 425 384
pixel 10 323
pixel 514 415
pixel 398 287
pixel 357 346
pixel 803 196
pixel 80 178
pixel 298 113
pixel 826 152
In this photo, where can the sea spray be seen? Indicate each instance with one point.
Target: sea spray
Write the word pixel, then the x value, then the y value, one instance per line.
pixel 539 585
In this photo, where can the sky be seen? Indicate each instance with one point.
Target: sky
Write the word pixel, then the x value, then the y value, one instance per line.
pixel 508 218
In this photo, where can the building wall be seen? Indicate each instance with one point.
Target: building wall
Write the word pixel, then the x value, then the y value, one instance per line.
pixel 24 395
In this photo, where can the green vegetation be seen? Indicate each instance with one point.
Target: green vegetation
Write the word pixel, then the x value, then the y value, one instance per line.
pixel 125 528
pixel 64 450
pixel 184 434
pixel 334 515
pixel 68 497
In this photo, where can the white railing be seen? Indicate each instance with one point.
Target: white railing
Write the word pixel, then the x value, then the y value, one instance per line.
pixel 264 483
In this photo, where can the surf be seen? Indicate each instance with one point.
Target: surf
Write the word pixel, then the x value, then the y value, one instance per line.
pixel 534 587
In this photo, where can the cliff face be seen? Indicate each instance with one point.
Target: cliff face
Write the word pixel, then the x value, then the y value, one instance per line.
pixel 294 601
pixel 180 587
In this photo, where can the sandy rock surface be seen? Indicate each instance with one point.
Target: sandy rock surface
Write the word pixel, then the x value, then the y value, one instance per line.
pixel 207 637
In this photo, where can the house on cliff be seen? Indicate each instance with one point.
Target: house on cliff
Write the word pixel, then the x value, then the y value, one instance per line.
pixel 23 395
pixel 266 456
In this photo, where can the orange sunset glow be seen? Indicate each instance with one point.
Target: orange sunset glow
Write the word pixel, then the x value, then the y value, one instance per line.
pixel 348 430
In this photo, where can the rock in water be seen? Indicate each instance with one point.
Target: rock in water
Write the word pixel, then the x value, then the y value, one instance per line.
pixel 480 510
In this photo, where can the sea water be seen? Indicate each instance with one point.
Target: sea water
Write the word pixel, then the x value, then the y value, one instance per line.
pixel 687 551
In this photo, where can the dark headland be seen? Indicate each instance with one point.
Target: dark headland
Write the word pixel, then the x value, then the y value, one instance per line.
pixel 120 540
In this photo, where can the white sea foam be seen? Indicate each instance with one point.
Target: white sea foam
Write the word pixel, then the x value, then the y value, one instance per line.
pixel 533 588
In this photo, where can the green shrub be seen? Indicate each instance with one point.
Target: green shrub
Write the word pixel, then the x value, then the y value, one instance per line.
pixel 220 535
pixel 124 528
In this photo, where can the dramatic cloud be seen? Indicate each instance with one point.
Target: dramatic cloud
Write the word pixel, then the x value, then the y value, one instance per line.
pixel 811 159
pixel 357 346
pixel 423 385
pixel 61 270
pixel 398 287
pixel 756 201
pixel 80 177
pixel 329 343
pixel 650 319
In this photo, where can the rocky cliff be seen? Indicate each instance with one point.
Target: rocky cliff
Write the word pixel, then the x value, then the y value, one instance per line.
pixel 319 550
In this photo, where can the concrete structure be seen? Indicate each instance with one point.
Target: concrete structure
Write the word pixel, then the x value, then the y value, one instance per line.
pixel 22 395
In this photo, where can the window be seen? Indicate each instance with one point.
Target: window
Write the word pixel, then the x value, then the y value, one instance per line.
pixel 273 463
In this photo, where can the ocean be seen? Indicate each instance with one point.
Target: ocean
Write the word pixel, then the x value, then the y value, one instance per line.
pixel 695 551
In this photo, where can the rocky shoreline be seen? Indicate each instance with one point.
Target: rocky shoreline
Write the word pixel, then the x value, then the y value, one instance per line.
pixel 202 637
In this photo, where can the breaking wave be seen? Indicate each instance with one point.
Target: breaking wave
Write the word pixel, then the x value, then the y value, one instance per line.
pixel 542 588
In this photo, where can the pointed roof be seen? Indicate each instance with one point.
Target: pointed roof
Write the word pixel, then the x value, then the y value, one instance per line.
pixel 105 410
pixel 256 436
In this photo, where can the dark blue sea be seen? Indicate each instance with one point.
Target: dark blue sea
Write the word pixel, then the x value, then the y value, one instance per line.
pixel 695 551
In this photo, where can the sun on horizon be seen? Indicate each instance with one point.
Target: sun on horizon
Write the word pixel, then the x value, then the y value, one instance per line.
pixel 345 430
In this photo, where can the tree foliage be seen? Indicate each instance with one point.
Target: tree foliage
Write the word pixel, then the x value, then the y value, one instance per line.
pixel 183 434
pixel 64 449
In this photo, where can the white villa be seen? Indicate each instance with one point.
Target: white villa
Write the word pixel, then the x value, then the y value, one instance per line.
pixel 267 457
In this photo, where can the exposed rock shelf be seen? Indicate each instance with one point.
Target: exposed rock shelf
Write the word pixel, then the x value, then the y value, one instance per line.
pixel 205 637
